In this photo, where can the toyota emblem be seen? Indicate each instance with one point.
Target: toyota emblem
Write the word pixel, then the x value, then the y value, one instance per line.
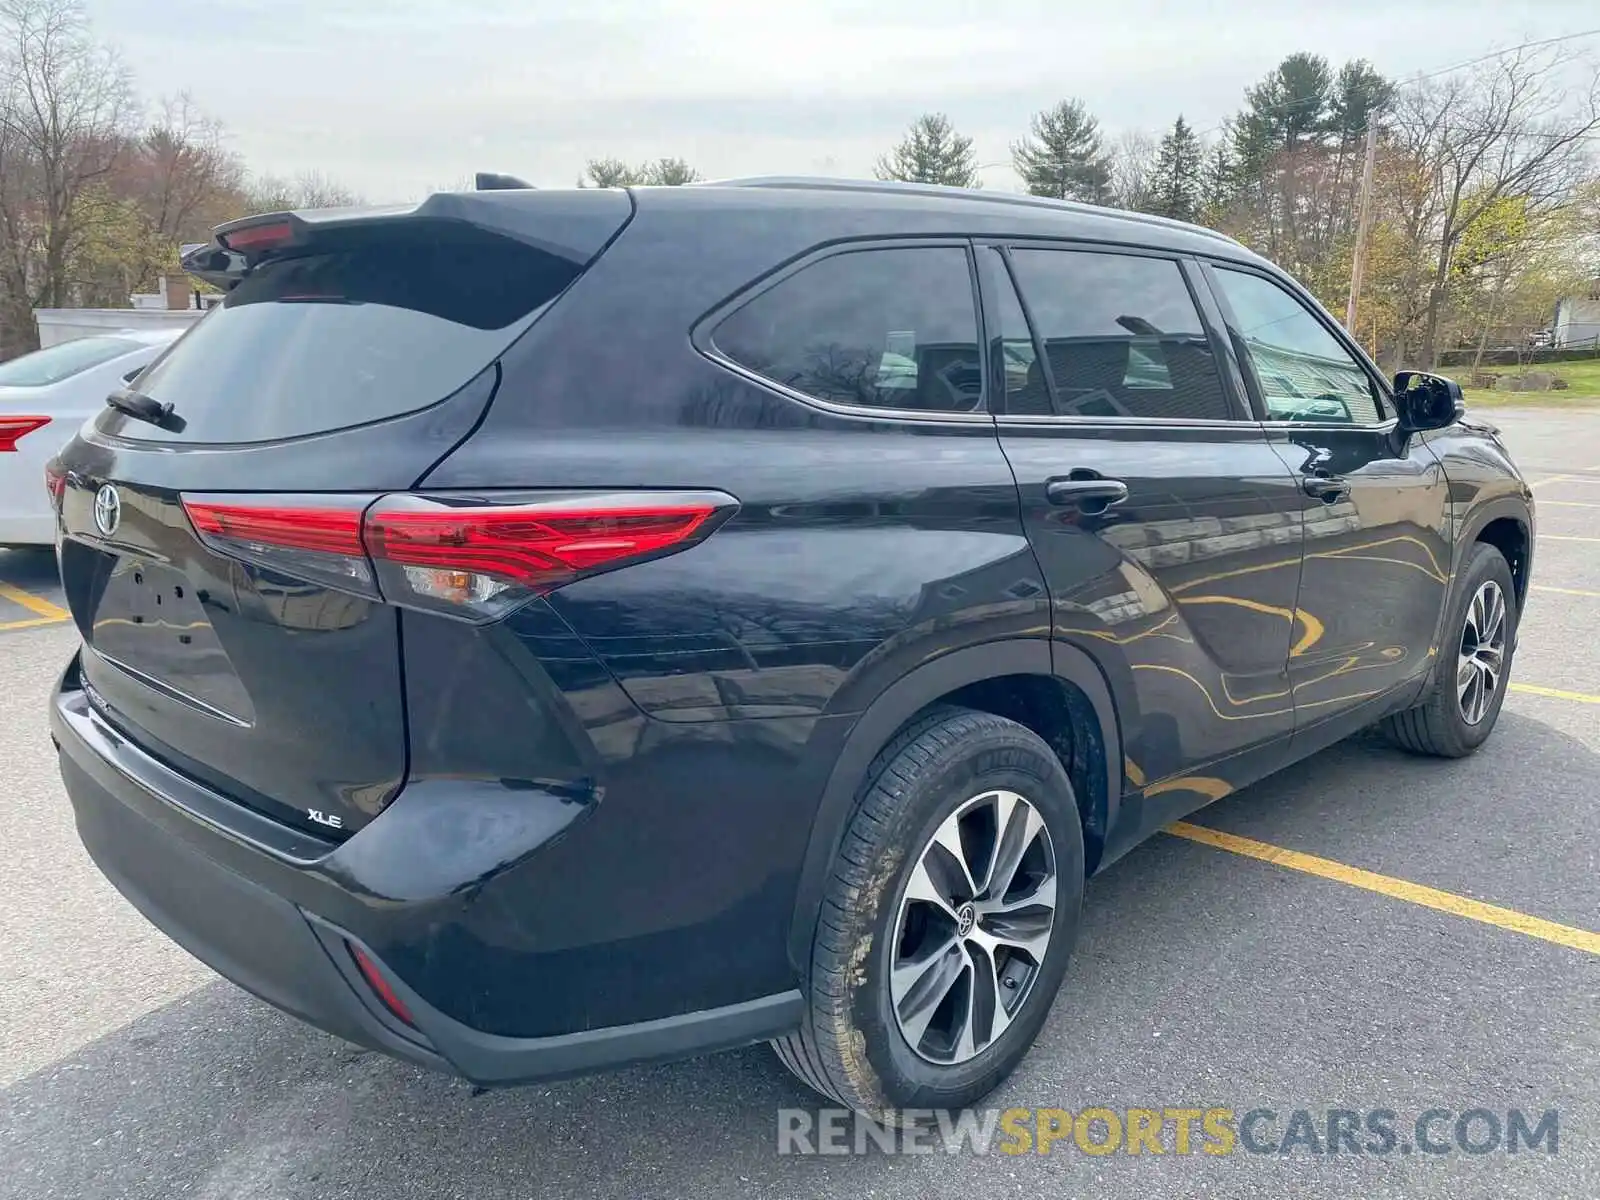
pixel 107 510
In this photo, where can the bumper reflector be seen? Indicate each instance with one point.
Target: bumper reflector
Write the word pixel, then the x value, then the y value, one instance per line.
pixel 376 981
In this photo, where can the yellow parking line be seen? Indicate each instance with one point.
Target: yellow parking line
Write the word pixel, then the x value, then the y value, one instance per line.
pixel 1578 476
pixel 1398 889
pixel 30 623
pixel 34 604
pixel 1555 693
pixel 1567 504
pixel 1564 537
pixel 1539 587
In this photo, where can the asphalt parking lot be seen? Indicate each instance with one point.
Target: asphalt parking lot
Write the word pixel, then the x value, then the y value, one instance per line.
pixel 1205 978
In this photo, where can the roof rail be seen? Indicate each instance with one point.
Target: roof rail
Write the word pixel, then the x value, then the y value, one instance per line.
pixel 823 183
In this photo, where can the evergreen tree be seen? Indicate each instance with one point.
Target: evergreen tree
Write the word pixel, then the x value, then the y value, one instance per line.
pixel 1357 94
pixel 1063 156
pixel 1219 181
pixel 1288 107
pixel 1176 188
pixel 932 152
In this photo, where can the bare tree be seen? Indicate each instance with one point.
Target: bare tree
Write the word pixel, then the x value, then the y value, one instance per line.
pixel 1133 160
pixel 1511 128
pixel 66 104
pixel 183 174
pixel 670 172
pixel 613 172
pixel 309 189
pixel 608 173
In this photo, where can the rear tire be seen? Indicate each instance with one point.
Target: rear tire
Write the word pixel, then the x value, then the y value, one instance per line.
pixel 1458 717
pixel 1017 832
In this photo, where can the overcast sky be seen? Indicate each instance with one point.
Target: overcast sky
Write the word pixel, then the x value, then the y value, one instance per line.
pixel 394 97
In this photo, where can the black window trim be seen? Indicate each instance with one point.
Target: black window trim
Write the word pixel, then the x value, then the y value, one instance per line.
pixel 1237 399
pixel 1286 283
pixel 994 272
pixel 700 335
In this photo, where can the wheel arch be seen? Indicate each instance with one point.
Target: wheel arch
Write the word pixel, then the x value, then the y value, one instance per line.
pixel 1507 525
pixel 959 677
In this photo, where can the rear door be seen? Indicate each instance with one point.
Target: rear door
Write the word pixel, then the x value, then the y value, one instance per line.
pixel 1165 524
pixel 1374 501
pixel 213 558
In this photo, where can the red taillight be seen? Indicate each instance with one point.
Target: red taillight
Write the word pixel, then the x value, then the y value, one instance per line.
pixel 258 237
pixel 14 429
pixel 55 481
pixel 376 981
pixel 489 556
pixel 334 530
pixel 470 556
pixel 311 537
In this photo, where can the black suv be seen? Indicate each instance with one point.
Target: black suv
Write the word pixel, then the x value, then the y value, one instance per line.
pixel 534 631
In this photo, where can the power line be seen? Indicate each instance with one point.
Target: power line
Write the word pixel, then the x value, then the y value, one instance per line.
pixel 1472 62
pixel 1291 105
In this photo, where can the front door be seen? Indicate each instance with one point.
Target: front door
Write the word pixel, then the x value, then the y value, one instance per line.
pixel 1377 552
pixel 1167 528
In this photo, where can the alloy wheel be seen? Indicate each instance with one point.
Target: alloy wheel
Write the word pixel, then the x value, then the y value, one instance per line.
pixel 1483 647
pixel 973 926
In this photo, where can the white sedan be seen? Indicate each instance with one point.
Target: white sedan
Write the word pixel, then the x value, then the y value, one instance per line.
pixel 44 398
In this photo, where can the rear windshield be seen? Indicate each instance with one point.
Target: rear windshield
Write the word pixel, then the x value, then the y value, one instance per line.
pixel 55 363
pixel 380 323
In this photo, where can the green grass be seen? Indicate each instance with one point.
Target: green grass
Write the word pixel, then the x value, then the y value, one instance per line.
pixel 1582 391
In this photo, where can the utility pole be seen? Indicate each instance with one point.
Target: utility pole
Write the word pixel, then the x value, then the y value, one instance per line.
pixel 1358 262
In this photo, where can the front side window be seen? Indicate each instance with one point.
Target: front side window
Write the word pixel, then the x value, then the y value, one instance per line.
pixel 889 328
pixel 1122 336
pixel 1305 372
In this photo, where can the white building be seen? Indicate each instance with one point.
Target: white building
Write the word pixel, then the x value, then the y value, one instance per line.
pixel 1578 318
pixel 174 304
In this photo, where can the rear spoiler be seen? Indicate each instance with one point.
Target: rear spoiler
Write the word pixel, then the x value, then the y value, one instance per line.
pixel 574 224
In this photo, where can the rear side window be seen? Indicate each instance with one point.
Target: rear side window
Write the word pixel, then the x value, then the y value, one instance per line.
pixel 1122 336
pixel 1305 373
pixel 55 363
pixel 886 329
pixel 379 323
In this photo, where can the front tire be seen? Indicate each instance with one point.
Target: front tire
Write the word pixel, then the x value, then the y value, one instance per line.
pixel 1474 667
pixel 947 919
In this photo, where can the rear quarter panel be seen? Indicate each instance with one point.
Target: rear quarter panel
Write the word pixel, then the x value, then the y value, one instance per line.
pixel 862 548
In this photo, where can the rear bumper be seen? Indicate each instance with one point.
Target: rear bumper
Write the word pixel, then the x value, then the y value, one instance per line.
pixel 245 933
pixel 26 518
pixel 28 529
pixel 272 910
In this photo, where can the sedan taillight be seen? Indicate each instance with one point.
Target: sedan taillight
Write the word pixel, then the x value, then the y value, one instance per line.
pixel 55 482
pixel 14 429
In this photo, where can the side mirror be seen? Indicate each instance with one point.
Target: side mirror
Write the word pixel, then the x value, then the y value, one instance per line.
pixel 1426 401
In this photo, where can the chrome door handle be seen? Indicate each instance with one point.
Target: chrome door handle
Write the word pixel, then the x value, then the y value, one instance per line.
pixel 1096 492
pixel 1326 488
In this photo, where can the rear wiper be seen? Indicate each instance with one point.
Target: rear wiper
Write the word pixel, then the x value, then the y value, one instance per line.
pixel 1139 327
pixel 145 408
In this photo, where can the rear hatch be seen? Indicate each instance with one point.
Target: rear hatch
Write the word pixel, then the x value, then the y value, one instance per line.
pixel 211 548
